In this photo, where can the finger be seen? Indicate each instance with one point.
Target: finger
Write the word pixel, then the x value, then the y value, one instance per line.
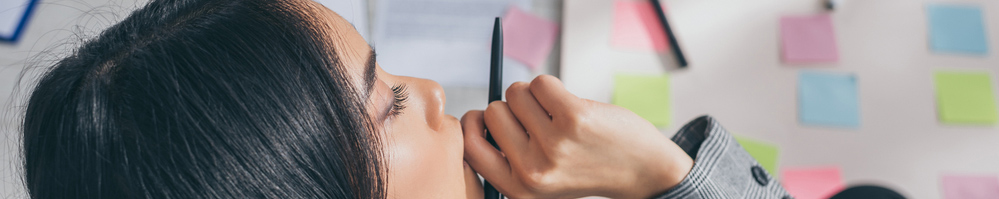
pixel 505 129
pixel 551 94
pixel 480 155
pixel 526 108
pixel 472 182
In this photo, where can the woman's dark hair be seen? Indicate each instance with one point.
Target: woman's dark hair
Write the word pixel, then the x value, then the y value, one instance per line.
pixel 202 99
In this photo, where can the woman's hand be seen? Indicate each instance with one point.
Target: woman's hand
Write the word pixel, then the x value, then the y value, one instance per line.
pixel 556 145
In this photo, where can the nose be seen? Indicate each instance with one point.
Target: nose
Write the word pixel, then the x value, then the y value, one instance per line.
pixel 434 100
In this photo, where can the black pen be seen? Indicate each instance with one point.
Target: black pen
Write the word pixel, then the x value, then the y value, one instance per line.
pixel 495 91
pixel 675 47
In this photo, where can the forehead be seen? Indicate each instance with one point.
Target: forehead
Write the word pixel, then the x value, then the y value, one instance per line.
pixel 350 48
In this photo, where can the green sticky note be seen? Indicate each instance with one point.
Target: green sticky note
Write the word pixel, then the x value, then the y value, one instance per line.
pixel 646 95
pixel 965 98
pixel 764 153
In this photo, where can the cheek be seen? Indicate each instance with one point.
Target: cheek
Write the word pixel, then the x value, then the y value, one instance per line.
pixel 425 163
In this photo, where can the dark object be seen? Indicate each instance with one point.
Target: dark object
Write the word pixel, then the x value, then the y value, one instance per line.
pixel 867 192
pixel 830 4
pixel 495 91
pixel 760 175
pixel 496 63
pixel 675 47
pixel 21 24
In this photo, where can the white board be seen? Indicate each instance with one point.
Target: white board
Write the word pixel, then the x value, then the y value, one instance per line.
pixel 736 75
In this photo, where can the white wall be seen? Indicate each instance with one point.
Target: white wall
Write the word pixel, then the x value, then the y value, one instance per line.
pixel 737 76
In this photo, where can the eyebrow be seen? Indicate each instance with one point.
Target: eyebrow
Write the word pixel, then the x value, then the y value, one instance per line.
pixel 369 73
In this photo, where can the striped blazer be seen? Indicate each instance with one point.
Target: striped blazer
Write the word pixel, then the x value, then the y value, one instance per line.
pixel 722 168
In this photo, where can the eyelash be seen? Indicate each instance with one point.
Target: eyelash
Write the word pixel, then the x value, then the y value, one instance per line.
pixel 401 96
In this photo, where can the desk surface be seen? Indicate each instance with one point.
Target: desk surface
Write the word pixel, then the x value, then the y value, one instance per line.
pixel 737 76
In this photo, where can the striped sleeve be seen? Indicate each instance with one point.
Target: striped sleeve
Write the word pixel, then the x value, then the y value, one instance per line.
pixel 722 169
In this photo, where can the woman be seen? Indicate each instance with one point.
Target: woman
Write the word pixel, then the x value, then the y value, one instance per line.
pixel 284 99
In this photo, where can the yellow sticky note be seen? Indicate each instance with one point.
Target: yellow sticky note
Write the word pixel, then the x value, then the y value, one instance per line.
pixel 764 153
pixel 965 98
pixel 646 95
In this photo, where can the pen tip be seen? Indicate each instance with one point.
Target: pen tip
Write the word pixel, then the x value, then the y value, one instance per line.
pixel 497 25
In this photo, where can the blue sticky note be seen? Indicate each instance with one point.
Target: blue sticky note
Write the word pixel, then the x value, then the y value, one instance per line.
pixel 957 29
pixel 828 99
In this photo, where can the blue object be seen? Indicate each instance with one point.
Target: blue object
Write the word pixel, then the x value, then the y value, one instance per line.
pixel 957 29
pixel 828 99
pixel 22 22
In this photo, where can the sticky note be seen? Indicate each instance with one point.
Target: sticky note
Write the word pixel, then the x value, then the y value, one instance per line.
pixel 812 183
pixel 965 98
pixel 828 99
pixel 970 187
pixel 646 95
pixel 527 38
pixel 764 153
pixel 957 29
pixel 808 39
pixel 637 27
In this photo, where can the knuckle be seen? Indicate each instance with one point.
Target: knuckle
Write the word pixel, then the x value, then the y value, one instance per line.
pixel 495 106
pixel 541 81
pixel 538 182
pixel 517 88
pixel 573 119
pixel 470 116
pixel 573 126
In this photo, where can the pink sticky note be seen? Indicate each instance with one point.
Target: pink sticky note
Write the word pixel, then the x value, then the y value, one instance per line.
pixel 812 183
pixel 637 27
pixel 527 38
pixel 808 39
pixel 970 187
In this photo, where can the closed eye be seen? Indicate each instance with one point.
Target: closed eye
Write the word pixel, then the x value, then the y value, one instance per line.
pixel 401 96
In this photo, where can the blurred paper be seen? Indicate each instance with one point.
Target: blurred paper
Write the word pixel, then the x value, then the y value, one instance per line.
pixel 970 187
pixel 447 41
pixel 965 98
pixel 13 15
pixel 354 11
pixel 812 183
pixel 957 29
pixel 527 38
pixel 828 99
pixel 646 95
pixel 514 71
pixel 637 27
pixel 808 39
pixel 764 153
